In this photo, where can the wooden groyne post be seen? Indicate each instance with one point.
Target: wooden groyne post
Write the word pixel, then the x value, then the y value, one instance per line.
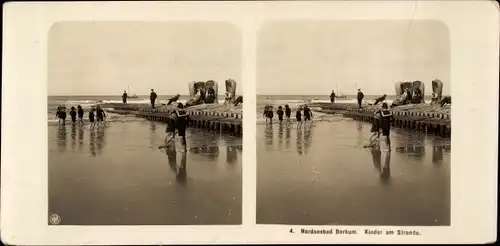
pixel 226 122
pixel 417 119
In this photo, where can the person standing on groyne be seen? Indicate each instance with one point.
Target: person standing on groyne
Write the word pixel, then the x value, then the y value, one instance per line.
pixel 72 113
pixel 80 114
pixel 153 97
pixel 332 97
pixel 360 97
pixel 124 97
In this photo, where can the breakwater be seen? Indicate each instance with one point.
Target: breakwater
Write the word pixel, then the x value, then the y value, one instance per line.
pixel 219 118
pixel 419 117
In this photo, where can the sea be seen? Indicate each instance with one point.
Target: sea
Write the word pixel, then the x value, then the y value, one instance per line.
pixel 324 176
pixel 116 174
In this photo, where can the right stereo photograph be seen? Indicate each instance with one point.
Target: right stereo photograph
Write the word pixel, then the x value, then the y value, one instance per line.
pixel 353 123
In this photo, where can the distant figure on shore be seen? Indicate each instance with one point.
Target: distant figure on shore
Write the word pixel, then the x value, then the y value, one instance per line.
pixel 307 114
pixel 298 117
pixel 280 114
pixel 91 117
pixel 72 113
pixel 61 114
pixel 380 99
pixel 332 97
pixel 181 125
pixel 445 101
pixel 288 114
pixel 360 97
pixel 80 114
pixel 100 115
pixel 153 97
pixel 173 99
pixel 238 100
pixel 124 97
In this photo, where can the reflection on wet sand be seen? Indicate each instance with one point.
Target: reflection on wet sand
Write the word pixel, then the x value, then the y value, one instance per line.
pixel 307 138
pixel 73 137
pixel 180 170
pixel 269 135
pixel 280 137
pixel 384 168
pixel 97 141
pixel 152 137
pixel 299 141
pixel 80 138
pixel 92 141
pixel 287 137
pixel 231 154
pixel 61 138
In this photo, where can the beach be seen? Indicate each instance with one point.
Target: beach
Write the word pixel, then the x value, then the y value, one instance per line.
pixel 117 175
pixel 326 177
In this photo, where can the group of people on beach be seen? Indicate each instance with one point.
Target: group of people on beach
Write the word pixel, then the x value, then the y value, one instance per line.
pixel 284 116
pixel 94 113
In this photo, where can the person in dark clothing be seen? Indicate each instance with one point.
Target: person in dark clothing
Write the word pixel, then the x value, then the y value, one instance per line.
pixel 100 115
pixel 124 97
pixel 268 113
pixel 91 117
pixel 298 117
pixel 445 101
pixel 288 114
pixel 417 96
pixel 61 114
pixel 332 97
pixel 238 100
pixel 173 99
pixel 280 114
pixel 80 114
pixel 385 121
pixel 181 125
pixel 210 95
pixel 307 114
pixel 72 113
pixel 380 99
pixel 360 97
pixel 153 97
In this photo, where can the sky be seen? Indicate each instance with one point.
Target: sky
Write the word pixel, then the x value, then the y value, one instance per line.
pixel 303 57
pixel 105 58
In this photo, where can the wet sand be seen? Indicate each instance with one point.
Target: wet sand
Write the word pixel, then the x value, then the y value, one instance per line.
pixel 325 177
pixel 117 176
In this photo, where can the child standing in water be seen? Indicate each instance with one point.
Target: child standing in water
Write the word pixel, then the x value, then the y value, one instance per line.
pixel 72 113
pixel 61 114
pixel 298 116
pixel 80 115
pixel 91 118
pixel 280 114
pixel 288 114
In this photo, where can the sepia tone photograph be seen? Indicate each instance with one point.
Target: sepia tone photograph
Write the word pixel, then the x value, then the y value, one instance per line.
pixel 358 113
pixel 144 123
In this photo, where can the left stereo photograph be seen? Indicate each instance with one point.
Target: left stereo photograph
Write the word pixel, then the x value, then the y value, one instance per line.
pixel 144 123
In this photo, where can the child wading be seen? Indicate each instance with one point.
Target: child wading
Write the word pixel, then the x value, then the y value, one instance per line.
pixel 80 114
pixel 288 114
pixel 72 113
pixel 280 114
pixel 298 117
pixel 91 117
